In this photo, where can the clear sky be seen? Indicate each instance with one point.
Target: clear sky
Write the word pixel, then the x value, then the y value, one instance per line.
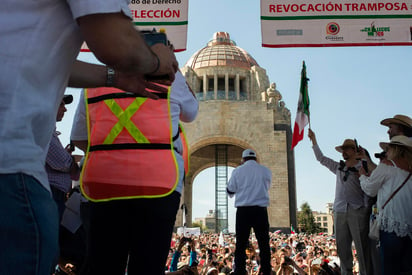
pixel 351 90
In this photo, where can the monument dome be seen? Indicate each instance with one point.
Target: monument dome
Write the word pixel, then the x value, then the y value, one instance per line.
pixel 221 51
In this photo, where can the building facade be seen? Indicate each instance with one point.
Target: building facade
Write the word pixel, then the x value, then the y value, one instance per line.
pixel 325 220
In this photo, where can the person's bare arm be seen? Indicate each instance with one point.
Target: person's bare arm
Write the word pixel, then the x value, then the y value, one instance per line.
pixel 87 75
pixel 115 42
pixel 312 137
pixel 81 144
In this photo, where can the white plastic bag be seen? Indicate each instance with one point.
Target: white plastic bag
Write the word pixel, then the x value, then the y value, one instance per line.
pixel 374 227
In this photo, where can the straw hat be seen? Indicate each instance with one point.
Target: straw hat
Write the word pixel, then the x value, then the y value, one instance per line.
pixel 348 143
pixel 398 119
pixel 398 140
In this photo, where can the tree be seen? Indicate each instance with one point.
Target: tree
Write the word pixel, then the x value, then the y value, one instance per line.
pixel 203 228
pixel 306 220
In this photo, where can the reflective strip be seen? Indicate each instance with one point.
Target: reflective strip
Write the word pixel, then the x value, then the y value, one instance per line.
pixel 130 146
pixel 124 120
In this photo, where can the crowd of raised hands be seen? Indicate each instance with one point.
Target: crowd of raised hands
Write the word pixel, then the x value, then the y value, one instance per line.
pixel 213 254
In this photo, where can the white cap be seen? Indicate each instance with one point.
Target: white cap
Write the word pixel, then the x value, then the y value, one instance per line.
pixel 211 270
pixel 248 153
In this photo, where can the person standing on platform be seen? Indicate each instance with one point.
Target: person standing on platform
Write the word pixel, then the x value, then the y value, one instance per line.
pixel 250 183
pixel 351 207
pixel 133 174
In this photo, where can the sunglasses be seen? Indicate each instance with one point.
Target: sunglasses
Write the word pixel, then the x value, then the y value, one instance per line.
pixel 346 175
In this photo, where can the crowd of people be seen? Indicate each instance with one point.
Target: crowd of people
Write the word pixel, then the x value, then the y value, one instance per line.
pixel 214 253
pixel 359 184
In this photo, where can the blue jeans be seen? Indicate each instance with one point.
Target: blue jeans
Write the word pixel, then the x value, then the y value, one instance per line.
pixel 60 199
pixel 395 253
pixel 28 226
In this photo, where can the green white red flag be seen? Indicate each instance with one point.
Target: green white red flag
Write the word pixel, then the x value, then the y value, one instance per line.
pixel 292 230
pixel 302 115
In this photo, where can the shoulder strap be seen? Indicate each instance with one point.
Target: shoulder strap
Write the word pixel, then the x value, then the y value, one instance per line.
pixel 394 164
pixel 396 191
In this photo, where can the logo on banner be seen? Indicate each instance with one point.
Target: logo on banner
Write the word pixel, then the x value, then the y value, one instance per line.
pixel 375 33
pixel 332 30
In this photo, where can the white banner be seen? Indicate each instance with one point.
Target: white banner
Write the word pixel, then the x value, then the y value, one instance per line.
pixel 188 232
pixel 319 23
pixel 169 16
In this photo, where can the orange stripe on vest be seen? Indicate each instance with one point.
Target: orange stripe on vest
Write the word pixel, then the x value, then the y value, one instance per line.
pixel 117 166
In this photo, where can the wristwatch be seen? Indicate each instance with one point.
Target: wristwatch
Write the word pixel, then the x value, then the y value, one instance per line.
pixel 110 77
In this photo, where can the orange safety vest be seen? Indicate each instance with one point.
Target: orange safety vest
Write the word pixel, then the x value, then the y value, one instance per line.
pixel 130 150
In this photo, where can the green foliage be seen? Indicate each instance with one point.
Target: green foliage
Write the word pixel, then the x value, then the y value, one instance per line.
pixel 306 220
pixel 203 228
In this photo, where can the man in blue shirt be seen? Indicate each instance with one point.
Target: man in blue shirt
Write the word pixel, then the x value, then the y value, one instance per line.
pixel 250 182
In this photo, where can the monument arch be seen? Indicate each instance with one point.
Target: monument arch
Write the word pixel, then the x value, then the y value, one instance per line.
pixel 239 109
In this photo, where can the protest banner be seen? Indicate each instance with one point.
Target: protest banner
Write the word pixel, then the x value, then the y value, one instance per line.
pixel 320 23
pixel 168 16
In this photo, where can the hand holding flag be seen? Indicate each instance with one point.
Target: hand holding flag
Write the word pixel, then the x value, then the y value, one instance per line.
pixel 292 230
pixel 302 114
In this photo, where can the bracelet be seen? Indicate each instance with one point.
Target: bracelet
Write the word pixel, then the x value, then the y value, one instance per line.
pixel 110 77
pixel 158 64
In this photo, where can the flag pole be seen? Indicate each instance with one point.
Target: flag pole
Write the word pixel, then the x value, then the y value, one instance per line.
pixel 307 79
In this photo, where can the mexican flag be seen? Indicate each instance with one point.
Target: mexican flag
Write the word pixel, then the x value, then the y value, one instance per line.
pixel 292 230
pixel 302 115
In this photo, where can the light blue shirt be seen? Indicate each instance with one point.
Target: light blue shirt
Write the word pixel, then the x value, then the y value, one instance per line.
pixel 39 44
pixel 250 182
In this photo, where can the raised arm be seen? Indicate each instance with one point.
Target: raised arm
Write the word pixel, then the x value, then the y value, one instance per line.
pixel 312 137
pixel 115 42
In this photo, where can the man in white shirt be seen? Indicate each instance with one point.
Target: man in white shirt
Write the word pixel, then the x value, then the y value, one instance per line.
pixel 351 207
pixel 40 41
pixel 250 182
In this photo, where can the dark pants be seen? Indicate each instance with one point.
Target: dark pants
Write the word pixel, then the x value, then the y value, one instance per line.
pixel 132 233
pixel 60 198
pixel 255 217
pixel 396 253
pixel 85 217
